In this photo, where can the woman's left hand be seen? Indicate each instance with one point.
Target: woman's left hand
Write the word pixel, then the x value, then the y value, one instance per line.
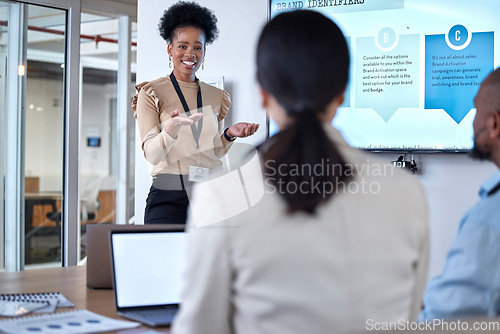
pixel 242 129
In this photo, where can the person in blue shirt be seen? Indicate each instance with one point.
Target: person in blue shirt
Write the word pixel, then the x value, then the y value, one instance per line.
pixel 470 282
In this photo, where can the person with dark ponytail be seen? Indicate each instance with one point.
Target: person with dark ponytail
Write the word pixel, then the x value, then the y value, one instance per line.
pixel 338 242
pixel 303 106
pixel 180 118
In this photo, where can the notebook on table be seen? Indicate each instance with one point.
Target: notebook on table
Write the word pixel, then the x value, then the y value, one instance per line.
pixel 148 269
pixel 98 258
pixel 41 302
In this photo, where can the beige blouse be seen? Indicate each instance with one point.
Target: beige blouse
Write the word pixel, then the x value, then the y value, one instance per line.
pixel 152 106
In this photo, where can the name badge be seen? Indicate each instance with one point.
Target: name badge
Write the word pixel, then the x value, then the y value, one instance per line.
pixel 197 173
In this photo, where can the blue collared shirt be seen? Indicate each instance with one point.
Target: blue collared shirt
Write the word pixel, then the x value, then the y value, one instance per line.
pixel 470 282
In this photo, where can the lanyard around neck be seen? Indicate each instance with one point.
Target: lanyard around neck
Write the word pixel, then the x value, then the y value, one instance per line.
pixel 196 131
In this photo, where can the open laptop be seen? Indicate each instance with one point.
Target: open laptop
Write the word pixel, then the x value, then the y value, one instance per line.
pixel 148 268
pixel 97 247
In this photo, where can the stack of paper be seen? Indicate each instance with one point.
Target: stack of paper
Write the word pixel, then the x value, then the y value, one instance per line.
pixel 77 321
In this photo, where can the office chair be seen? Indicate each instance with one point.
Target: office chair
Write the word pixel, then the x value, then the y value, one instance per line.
pixel 89 205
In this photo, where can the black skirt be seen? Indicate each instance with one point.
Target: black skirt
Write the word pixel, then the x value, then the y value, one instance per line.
pixel 166 206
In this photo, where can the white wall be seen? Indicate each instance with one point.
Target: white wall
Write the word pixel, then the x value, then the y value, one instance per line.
pixel 451 180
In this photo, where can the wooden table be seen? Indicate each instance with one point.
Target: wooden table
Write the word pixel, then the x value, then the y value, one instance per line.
pixel 71 282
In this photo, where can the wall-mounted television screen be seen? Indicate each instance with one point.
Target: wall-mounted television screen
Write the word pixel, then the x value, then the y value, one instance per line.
pixel 416 66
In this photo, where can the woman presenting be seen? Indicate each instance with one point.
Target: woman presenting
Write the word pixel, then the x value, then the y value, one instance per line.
pixel 180 118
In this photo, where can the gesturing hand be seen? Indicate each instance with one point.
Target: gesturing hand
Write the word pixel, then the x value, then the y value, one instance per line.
pixel 177 120
pixel 242 129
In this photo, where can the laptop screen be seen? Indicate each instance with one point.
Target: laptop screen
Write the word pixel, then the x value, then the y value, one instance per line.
pixel 148 267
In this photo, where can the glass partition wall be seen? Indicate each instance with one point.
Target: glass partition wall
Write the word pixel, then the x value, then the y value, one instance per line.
pixel 3 104
pixel 59 158
pixel 44 134
pixel 33 82
pixel 99 126
pixel 98 143
pixel 97 180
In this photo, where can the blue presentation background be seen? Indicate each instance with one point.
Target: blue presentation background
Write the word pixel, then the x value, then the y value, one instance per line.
pixel 457 101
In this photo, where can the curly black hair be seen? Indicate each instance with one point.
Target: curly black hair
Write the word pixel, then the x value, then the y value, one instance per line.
pixel 185 14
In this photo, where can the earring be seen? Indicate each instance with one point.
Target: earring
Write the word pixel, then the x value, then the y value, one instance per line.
pixel 170 61
pixel 203 64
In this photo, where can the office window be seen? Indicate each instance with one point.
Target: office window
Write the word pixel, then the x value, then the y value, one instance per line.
pixel 97 182
pixel 44 134
pixel 38 134
pixel 3 76
pixel 37 107
pixel 99 126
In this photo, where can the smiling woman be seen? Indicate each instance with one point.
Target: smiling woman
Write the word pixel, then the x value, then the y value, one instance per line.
pixel 180 118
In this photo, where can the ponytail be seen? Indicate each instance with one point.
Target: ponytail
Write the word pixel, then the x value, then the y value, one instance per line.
pixel 292 157
pixel 303 91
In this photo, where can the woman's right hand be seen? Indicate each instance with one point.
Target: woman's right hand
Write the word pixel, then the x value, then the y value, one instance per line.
pixel 177 121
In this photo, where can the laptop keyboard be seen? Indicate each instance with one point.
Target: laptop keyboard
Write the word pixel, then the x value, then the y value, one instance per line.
pixel 153 314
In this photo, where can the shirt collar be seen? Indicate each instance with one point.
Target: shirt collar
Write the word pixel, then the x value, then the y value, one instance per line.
pixel 489 184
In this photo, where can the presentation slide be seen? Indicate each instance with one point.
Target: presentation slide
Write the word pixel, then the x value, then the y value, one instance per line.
pixel 416 66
